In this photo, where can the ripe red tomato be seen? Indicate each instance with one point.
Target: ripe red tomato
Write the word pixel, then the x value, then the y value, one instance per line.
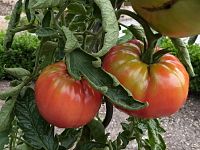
pixel 64 101
pixel 164 84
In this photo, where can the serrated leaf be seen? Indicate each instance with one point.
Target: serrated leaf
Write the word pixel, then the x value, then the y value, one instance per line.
pixel 128 36
pixel 23 147
pixel 77 8
pixel 47 51
pixel 183 55
pixel 37 132
pixel 4 138
pixel 38 4
pixel 68 137
pixel 17 72
pixel 97 131
pixel 46 32
pixel 10 92
pixel 192 40
pixel 110 26
pixel 72 43
pixel 47 19
pixel 155 139
pixel 92 146
pixel 80 63
pixel 6 114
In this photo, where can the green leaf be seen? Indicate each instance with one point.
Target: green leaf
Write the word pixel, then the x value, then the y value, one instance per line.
pixel 146 132
pixel 14 21
pixel 68 137
pixel 77 8
pixel 92 146
pixel 192 40
pixel 110 26
pixel 155 139
pixel 27 10
pixel 128 36
pixel 46 32
pixel 80 63
pixel 97 131
pixel 17 72
pixel 183 55
pixel 38 4
pixel 72 43
pixel 47 19
pixel 4 138
pixel 48 50
pixel 6 114
pixel 37 132
pixel 23 147
pixel 12 91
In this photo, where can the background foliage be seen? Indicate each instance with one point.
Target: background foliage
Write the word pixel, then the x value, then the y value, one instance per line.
pixel 21 55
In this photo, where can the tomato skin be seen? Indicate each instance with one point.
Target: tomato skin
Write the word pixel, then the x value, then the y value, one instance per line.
pixel 64 101
pixel 164 85
pixel 169 17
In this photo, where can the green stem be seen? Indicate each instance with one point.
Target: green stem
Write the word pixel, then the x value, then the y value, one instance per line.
pixel 23 28
pixel 109 113
pixel 38 53
pixel 148 32
pixel 62 9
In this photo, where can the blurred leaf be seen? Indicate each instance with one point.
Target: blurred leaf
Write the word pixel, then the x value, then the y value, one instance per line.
pixel 183 54
pixel 97 131
pixel 37 132
pixel 6 114
pixel 92 146
pixel 14 21
pixel 110 26
pixel 128 36
pixel 47 19
pixel 38 4
pixel 4 139
pixel 17 72
pixel 68 137
pixel 46 32
pixel 10 92
pixel 24 147
pixel 47 51
pixel 77 8
pixel 192 40
pixel 72 43
pixel 137 129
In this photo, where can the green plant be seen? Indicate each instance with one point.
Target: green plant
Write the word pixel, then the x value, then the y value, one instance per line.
pixel 79 33
pixel 21 53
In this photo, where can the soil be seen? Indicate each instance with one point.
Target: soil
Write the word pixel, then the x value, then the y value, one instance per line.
pixel 182 128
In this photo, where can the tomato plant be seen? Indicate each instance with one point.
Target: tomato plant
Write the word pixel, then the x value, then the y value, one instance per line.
pixel 63 101
pixel 68 85
pixel 163 83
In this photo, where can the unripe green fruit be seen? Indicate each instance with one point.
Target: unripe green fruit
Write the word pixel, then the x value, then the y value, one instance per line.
pixel 174 18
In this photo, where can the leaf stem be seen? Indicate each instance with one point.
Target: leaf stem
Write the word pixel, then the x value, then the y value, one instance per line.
pixel 109 113
pixel 149 34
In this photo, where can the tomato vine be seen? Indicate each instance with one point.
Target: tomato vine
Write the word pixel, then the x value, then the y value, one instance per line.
pixel 78 33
